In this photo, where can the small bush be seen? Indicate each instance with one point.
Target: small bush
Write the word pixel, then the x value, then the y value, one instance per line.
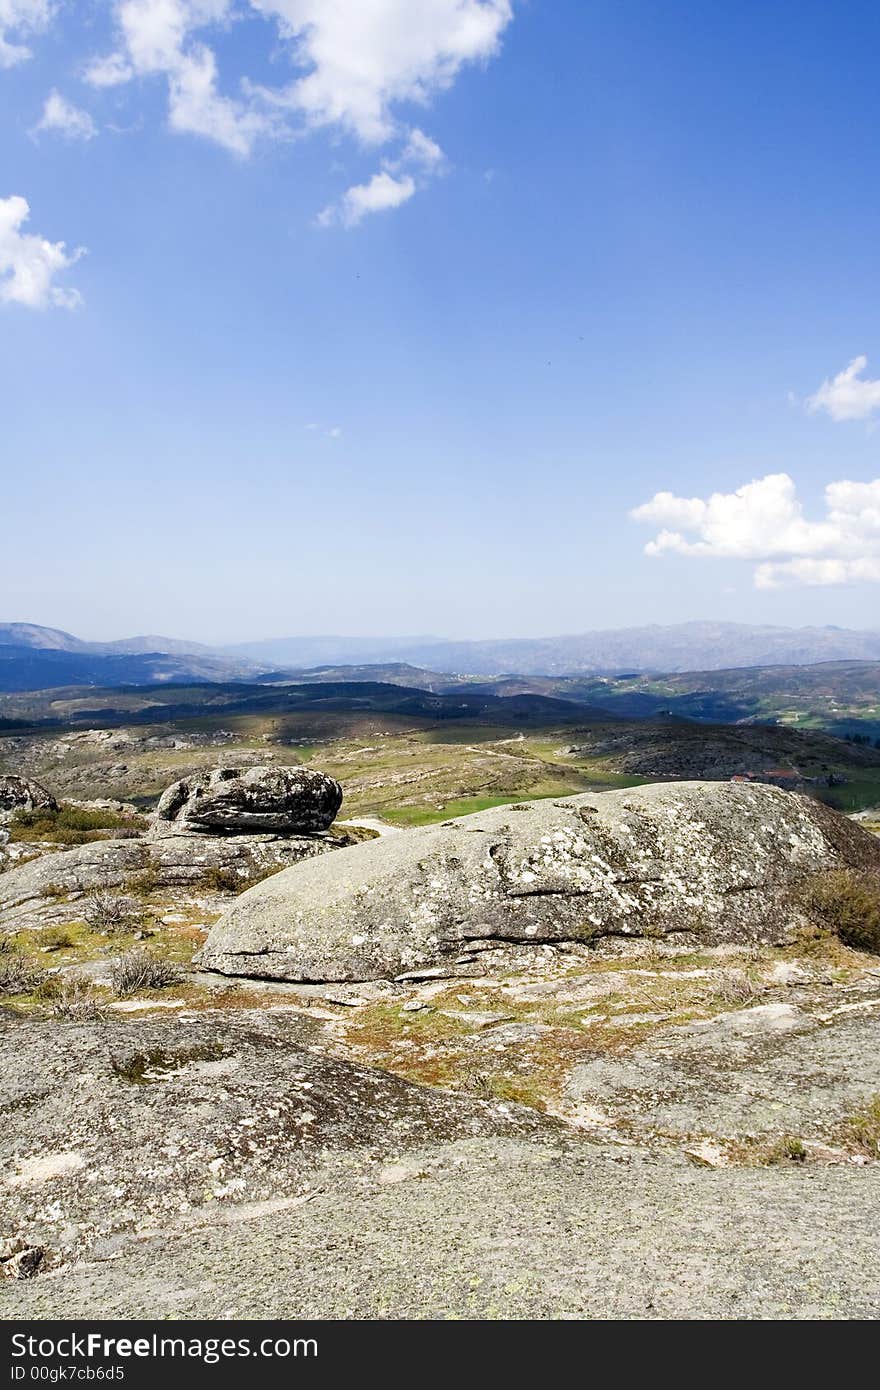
pixel 56 938
pixel 735 987
pixel 862 1129
pixel 144 883
pixel 47 987
pixel 789 1149
pixel 848 903
pixel 107 911
pixel 55 890
pixel 17 974
pixel 77 1002
pixel 70 825
pixel 139 969
pixel 222 880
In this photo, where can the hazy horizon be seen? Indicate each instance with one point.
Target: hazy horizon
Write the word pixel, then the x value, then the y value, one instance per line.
pixel 406 639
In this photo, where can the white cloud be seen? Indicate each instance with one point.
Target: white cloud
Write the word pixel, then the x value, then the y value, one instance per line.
pixel 365 56
pixel 847 396
pixel 358 60
pixel 419 151
pixel 111 71
pixel 382 192
pixel 195 106
pixel 334 432
pixel 157 39
pixel 62 116
pixel 19 19
pixel 29 263
pixel 420 159
pixel 764 521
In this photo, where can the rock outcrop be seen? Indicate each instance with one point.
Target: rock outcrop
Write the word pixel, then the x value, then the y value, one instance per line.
pixel 244 824
pixel 699 862
pixel 204 1111
pixel 44 891
pixel 23 794
pixel 281 800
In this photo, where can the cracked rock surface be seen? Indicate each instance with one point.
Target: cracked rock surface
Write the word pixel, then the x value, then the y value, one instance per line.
pixel 231 800
pixel 38 893
pixel 703 861
pixel 118 1126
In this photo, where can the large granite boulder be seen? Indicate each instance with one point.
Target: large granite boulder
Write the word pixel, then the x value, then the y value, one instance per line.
pixel 22 794
pixel 702 862
pixel 229 800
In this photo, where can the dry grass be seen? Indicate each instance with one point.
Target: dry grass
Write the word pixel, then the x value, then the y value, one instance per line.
pixel 788 1149
pixel 78 1002
pixel 107 911
pixel 861 1130
pixel 18 975
pixel 735 988
pixel 139 969
pixel 847 902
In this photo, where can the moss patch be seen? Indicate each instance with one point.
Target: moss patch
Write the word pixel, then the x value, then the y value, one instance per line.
pixel 145 1068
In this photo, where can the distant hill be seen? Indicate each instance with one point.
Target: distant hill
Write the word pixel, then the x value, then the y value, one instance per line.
pixel 697 646
pixel 180 700
pixel 34 657
pixel 37 638
pixel 841 697
pixel 44 658
pixel 306 653
pixel 395 673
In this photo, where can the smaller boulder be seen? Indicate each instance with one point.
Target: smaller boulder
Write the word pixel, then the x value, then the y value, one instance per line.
pixel 236 801
pixel 21 794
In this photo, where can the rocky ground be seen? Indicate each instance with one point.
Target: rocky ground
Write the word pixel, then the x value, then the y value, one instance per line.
pixel 234 1159
pixel 678 1125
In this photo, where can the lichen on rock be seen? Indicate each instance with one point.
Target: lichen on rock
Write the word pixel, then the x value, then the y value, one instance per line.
pixel 713 862
pixel 282 800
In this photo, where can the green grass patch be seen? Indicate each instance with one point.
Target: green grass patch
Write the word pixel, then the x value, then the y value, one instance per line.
pixel 860 792
pixel 69 825
pixel 466 806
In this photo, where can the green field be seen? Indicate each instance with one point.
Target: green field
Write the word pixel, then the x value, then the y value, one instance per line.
pixel 406 765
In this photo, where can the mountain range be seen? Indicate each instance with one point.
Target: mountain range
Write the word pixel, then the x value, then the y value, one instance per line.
pixel 34 657
pixel 703 646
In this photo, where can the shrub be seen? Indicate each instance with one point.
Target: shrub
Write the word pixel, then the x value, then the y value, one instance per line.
pixel 56 938
pixel 789 1149
pixel 735 987
pixel 862 1129
pixel 848 903
pixel 144 883
pixel 222 880
pixel 107 911
pixel 17 974
pixel 77 1001
pixel 139 969
pixel 229 880
pixel 55 890
pixel 47 988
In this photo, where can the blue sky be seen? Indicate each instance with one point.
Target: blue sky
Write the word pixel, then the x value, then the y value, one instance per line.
pixel 392 330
